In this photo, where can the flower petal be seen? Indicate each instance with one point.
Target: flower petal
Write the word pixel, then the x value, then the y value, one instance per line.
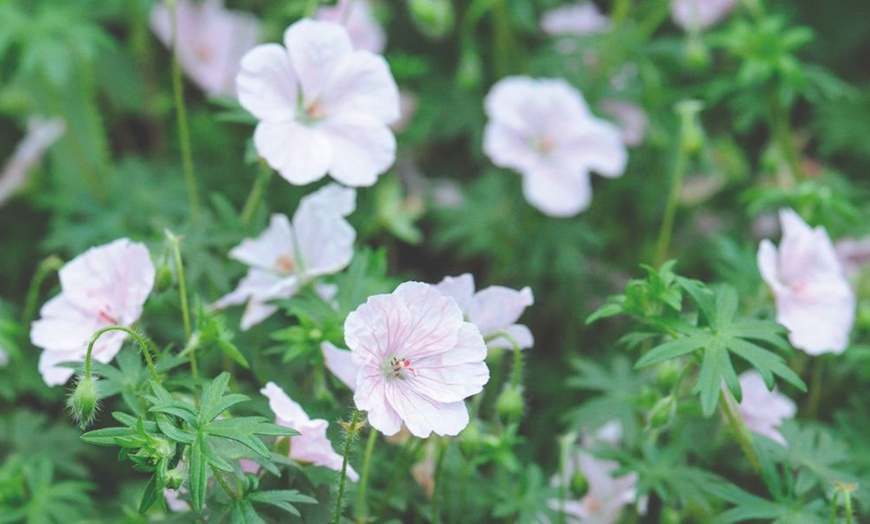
pixel 596 144
pixel 315 49
pixel 299 153
pixel 454 375
pixel 460 288
pixel 423 416
pixel 324 238
pixel 370 397
pixel 558 194
pixel 266 84
pixel 362 83
pixel 496 307
pixel 363 148
pixel 341 364
pixel 271 250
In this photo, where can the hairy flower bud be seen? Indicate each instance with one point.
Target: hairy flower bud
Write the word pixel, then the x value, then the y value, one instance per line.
pixel 83 402
pixel 510 403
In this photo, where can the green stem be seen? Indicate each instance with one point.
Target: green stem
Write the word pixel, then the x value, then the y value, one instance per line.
pixel 256 193
pixel 174 242
pixel 780 127
pixel 611 50
pixel 143 345
pixel 740 431
pixel 222 481
pixel 436 480
pixel 52 263
pixel 565 443
pixel 506 53
pixel 181 118
pixel 361 509
pixel 815 388
pixel 348 442
pixel 310 7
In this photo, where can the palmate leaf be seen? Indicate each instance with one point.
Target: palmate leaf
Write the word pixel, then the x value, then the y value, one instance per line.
pixel 724 335
pixel 749 507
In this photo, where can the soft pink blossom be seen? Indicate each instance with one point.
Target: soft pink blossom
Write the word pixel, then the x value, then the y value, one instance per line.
pixel 41 134
pixel 700 14
pixel 323 106
pixel 419 359
pixel 211 41
pixel 287 256
pixel 607 495
pixel 763 410
pixel 104 286
pixel 544 130
pixel 365 32
pixel 494 310
pixel 854 255
pixel 813 297
pixel 340 363
pixel 581 19
pixel 311 445
pixel 630 118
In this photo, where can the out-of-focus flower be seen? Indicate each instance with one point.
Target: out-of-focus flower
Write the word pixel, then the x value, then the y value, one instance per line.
pixel 854 254
pixel 365 32
pixel 423 471
pixel 4 358
pixel 311 445
pixel 493 310
pixel 763 410
pixel 211 41
pixel 104 286
pixel 341 363
pixel 606 495
pixel 630 119
pixel 407 108
pixel 581 19
pixel 700 14
pixel 813 297
pixel 41 134
pixel 418 360
pixel 544 130
pixel 287 256
pixel 323 106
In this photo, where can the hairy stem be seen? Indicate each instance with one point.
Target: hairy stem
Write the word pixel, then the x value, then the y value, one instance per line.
pixel 52 263
pixel 361 509
pixel 348 443
pixel 140 341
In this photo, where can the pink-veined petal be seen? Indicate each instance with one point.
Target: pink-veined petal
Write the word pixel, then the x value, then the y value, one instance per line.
pixel 370 396
pixel 423 416
pixel 496 307
pixel 819 316
pixel 266 84
pixel 461 288
pixel 454 375
pixel 301 154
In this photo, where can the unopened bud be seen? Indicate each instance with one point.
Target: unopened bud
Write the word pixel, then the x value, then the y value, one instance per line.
pixel 433 17
pixel 469 439
pixel 662 414
pixel 510 403
pixel 667 375
pixel 83 402
pixel 164 278
pixel 578 485
pixel 697 55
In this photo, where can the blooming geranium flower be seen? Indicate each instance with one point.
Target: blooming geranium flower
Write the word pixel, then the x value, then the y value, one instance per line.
pixel 287 256
pixel 493 310
pixel 700 14
pixel 581 19
pixel 311 445
pixel 104 286
pixel 418 360
pixel 365 32
pixel 606 495
pixel 41 134
pixel 323 106
pixel 813 297
pixel 544 130
pixel 211 41
pixel 764 410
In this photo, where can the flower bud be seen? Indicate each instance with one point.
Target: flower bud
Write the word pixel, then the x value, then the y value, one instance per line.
pixel 697 55
pixel 667 375
pixel 469 439
pixel 433 17
pixel 509 405
pixel 83 402
pixel 578 485
pixel 163 279
pixel 173 479
pixel 662 414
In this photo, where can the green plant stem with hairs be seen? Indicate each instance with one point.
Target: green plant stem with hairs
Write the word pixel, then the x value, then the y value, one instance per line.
pixel 140 341
pixel 437 488
pixel 352 428
pixel 256 194
pixel 361 509
pixel 181 119
pixel 174 242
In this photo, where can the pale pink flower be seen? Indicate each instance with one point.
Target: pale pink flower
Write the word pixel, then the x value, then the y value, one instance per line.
pixel 494 310
pixel 340 362
pixel 630 118
pixel 764 410
pixel 311 445
pixel 544 130
pixel 41 134
pixel 365 32
pixel 419 359
pixel 700 14
pixel 854 255
pixel 607 495
pixel 287 256
pixel 104 286
pixel 323 106
pixel 581 19
pixel 211 41
pixel 813 297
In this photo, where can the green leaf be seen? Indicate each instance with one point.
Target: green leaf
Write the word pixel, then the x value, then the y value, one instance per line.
pixel 149 496
pixel 672 349
pixel 198 481
pixel 282 499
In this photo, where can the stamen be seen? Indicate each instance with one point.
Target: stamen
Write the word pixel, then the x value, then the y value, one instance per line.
pixel 399 364
pixel 285 264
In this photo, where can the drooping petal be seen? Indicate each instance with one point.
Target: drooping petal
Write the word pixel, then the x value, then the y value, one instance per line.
pixel 768 264
pixel 496 307
pixel 559 195
pixel 266 84
pixel 520 334
pixel 301 154
pixel 362 83
pixel 363 148
pixel 461 288
pixel 341 364
pixel 805 253
pixel 315 50
pixel 283 406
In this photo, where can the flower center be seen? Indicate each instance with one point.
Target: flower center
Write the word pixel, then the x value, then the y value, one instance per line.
pixel 285 264
pixel 544 145
pixel 203 53
pixel 398 365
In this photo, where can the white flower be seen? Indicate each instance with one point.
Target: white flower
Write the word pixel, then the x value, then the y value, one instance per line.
pixel 323 106
pixel 312 444
pixel 493 310
pixel 41 134
pixel 104 286
pixel 607 495
pixel 340 363
pixel 813 297
pixel 544 130
pixel 287 256
pixel 763 410
pixel 581 19
pixel 365 32
pixel 700 14
pixel 418 360
pixel 211 41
